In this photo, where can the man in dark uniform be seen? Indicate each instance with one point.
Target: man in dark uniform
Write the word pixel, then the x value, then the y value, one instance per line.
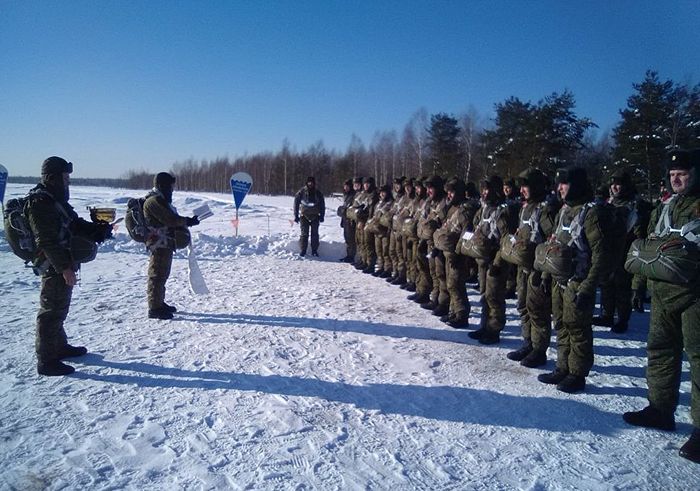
pixel 309 211
pixel 171 233
pixel 57 229
pixel 675 309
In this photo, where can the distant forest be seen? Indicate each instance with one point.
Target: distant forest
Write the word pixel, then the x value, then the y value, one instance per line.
pixel 659 115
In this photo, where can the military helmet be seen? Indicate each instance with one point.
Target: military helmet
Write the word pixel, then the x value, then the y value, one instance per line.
pixel 357 180
pixel 536 182
pixel 347 182
pixel 163 180
pixel 56 165
pixel 434 181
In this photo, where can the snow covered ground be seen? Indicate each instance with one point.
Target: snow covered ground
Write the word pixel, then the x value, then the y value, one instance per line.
pixel 301 374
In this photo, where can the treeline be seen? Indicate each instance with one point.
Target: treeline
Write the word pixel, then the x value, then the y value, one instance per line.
pixel 77 181
pixel 659 115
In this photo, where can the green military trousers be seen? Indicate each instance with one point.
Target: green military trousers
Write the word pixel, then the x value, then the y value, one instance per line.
pixel 675 326
pixel 456 282
pixel 159 267
pixel 54 302
pixel 349 236
pixel 574 330
pixel 538 304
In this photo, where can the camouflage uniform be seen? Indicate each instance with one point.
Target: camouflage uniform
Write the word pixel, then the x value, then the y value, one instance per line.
pixel 423 279
pixel 309 212
pixel 380 225
pixel 413 212
pixel 55 225
pixel 675 316
pixel 436 212
pixel 534 302
pixel 396 251
pixel 581 226
pixel 347 224
pixel 172 233
pixel 446 239
pixel 631 215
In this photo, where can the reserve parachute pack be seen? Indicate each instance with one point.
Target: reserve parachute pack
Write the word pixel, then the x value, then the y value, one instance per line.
pixel 519 250
pixel 666 257
pixel 566 260
pixel 482 244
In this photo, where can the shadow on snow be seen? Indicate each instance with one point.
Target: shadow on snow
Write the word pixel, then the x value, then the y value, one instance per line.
pixel 443 403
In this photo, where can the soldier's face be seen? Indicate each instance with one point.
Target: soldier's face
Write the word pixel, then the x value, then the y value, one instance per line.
pixel 525 191
pixel 407 188
pixel 679 180
pixel 615 189
pixel 66 180
pixel 485 193
pixel 356 186
pixel 346 188
pixel 397 188
pixel 507 189
pixel 431 191
pixel 563 189
pixel 450 196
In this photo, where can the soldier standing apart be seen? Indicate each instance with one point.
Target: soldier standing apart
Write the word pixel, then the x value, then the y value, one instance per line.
pixel 534 300
pixel 491 223
pixel 346 223
pixel 171 233
pixel 309 210
pixel 631 215
pixel 675 311
pixel 55 224
pixel 579 231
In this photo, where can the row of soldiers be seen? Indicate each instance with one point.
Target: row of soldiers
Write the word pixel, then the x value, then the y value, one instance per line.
pixel 431 237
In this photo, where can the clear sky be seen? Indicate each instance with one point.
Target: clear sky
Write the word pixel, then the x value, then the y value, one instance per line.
pixel 114 85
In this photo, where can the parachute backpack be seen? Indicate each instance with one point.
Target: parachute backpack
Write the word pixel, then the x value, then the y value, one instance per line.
pixel 17 230
pixel 135 220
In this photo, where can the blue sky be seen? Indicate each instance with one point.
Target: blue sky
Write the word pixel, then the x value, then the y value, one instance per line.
pixel 118 85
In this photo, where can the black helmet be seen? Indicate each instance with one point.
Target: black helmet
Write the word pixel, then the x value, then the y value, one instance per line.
pixel 536 182
pixel 163 180
pixel 55 165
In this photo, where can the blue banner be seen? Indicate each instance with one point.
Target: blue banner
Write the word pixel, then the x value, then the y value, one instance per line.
pixel 3 183
pixel 241 182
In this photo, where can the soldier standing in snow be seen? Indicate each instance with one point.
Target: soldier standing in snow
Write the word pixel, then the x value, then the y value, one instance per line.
pixel 56 226
pixel 309 210
pixel 346 223
pixel 631 215
pixel 675 309
pixel 580 247
pixel 171 234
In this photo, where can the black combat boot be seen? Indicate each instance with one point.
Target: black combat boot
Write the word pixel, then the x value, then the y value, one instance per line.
pixel 459 322
pixel 477 334
pixel 410 287
pixel 302 253
pixel 314 253
pixel 429 305
pixel 691 449
pixel 521 352
pixel 169 308
pixel 54 368
pixel 359 265
pixel 446 318
pixel 490 338
pixel 650 417
pixel 160 313
pixel 69 351
pixel 572 383
pixel 534 359
pixel 368 269
pixel 619 327
pixel 603 320
pixel 554 377
pixel 441 310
